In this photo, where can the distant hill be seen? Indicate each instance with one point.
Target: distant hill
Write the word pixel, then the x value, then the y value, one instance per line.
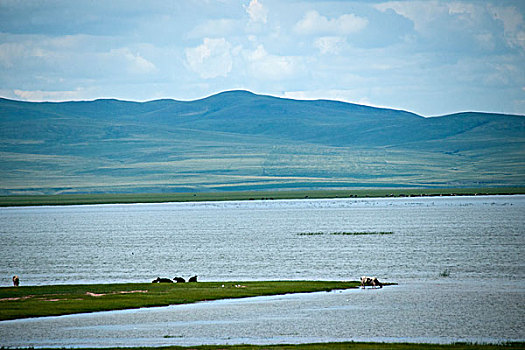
pixel 238 140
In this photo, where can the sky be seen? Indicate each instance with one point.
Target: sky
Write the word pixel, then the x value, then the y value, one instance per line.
pixel 427 57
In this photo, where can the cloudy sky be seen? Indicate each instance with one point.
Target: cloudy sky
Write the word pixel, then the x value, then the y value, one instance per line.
pixel 428 57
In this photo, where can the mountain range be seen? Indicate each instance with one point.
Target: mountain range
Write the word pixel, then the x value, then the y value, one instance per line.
pixel 237 140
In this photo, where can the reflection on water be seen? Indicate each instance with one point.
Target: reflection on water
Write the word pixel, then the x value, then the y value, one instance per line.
pixel 479 240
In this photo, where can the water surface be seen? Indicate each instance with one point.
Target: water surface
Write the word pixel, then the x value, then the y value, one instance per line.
pixel 479 240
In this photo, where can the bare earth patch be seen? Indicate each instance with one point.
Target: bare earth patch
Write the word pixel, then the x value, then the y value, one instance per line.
pixel 121 292
pixel 17 298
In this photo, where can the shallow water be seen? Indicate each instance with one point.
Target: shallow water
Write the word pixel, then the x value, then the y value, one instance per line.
pixel 480 240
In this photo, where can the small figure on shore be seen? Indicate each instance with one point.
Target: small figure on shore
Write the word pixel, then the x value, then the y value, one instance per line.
pixel 370 281
pixel 179 280
pixel 193 279
pixel 16 281
pixel 162 280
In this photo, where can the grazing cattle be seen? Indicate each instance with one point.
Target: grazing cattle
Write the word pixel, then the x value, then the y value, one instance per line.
pixel 16 281
pixel 193 279
pixel 179 280
pixel 370 281
pixel 162 280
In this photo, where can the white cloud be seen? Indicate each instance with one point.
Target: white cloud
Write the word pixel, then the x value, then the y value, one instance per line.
pixel 419 12
pixel 486 40
pixel 466 12
pixel 10 53
pixel 257 12
pixel 336 95
pixel 358 96
pixel 265 66
pixel 135 62
pixel 513 25
pixel 211 59
pixel 315 24
pixel 41 95
pixel 463 21
pixel 29 48
pixel 425 14
pixel 330 44
pixel 214 27
pixel 416 50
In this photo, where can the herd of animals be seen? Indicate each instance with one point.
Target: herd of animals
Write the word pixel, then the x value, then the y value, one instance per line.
pixel 365 281
pixel 174 280
pixel 370 281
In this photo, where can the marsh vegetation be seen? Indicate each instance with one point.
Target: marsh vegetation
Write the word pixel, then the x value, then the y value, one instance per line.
pixel 343 233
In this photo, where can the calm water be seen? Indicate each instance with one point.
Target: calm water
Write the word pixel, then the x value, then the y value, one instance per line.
pixel 480 240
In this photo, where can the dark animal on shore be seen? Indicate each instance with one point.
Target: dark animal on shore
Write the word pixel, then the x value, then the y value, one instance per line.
pixel 179 280
pixel 370 281
pixel 162 280
pixel 193 279
pixel 16 281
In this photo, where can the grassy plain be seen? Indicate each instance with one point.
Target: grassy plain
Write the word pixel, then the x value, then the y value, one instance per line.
pixel 238 141
pixel 54 300
pixel 110 198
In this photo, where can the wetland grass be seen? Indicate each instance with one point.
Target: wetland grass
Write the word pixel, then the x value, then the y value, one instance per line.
pixel 445 273
pixel 342 233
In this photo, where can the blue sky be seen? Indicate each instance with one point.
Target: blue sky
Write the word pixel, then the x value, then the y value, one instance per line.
pixel 428 57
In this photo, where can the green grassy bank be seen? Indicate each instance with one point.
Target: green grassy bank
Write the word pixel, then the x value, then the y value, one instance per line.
pixel 110 198
pixel 35 301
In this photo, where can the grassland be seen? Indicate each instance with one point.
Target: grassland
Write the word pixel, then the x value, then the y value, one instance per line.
pixel 108 198
pixel 238 141
pixel 36 301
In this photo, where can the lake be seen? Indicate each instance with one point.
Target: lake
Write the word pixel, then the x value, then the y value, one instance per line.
pixel 479 240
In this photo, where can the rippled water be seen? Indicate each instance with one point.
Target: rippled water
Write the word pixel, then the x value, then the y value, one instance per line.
pixel 480 240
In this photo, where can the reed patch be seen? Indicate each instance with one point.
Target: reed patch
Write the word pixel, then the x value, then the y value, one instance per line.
pixel 345 233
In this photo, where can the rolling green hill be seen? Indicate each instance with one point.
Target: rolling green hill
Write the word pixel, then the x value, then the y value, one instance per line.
pixel 237 140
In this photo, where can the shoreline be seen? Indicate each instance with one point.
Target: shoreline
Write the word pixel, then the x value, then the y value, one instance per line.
pixel 98 292
pixel 136 198
pixel 68 299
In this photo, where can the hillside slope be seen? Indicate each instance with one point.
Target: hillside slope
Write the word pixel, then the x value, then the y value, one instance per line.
pixel 237 140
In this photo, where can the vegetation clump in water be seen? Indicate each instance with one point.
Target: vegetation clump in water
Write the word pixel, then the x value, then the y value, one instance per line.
pixel 445 273
pixel 361 233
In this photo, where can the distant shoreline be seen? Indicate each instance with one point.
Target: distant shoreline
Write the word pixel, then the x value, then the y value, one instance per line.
pixel 131 198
